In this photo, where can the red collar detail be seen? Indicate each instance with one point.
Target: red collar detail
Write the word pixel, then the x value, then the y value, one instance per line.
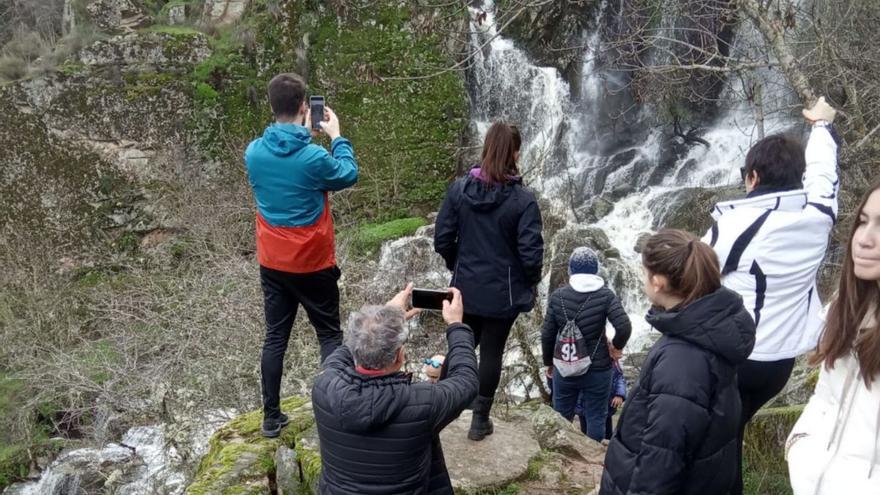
pixel 367 372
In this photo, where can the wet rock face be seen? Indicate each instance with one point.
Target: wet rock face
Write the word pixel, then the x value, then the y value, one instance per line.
pixel 553 32
pixel 689 208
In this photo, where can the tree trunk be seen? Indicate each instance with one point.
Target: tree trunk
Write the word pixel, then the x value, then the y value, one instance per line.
pixel 771 27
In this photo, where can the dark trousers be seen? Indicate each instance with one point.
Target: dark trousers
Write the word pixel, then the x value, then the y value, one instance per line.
pixel 282 294
pixel 490 335
pixel 758 382
pixel 592 390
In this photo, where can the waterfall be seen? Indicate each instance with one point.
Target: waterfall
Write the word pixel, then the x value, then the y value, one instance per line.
pixel 572 155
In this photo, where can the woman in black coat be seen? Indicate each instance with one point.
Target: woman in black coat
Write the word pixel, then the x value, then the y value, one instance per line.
pixel 489 233
pixel 678 430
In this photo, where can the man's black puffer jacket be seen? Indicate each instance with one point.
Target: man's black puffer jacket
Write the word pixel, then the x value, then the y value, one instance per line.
pixel 490 237
pixel 678 430
pixel 598 306
pixel 378 434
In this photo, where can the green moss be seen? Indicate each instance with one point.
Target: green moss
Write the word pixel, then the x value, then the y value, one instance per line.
pixel 404 131
pixel 239 459
pixel 765 470
pixel 370 237
pixel 173 30
pixel 533 472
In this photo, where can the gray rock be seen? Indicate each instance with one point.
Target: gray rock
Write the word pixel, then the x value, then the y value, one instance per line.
pixel 689 208
pixel 147 50
pixel 223 12
pixel 286 471
pixel 554 433
pixel 117 15
pixel 177 14
pixel 495 461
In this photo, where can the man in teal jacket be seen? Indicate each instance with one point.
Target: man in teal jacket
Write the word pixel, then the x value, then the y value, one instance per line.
pixel 291 178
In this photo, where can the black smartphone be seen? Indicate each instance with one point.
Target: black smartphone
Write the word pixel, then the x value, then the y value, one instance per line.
pixel 316 106
pixel 429 298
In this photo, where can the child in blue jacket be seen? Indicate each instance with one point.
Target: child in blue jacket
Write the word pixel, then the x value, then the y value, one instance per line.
pixel 618 395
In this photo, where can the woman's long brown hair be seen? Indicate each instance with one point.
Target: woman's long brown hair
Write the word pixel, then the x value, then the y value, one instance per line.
pixel 690 265
pixel 855 298
pixel 498 163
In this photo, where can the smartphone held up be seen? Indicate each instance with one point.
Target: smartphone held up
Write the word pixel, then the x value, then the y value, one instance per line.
pixel 316 109
pixel 430 298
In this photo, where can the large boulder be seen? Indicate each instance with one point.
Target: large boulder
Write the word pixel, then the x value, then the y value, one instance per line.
pixel 240 460
pixel 532 447
pixel 152 50
pixel 117 15
pixel 689 208
pixel 493 462
pixel 223 12
pixel 764 449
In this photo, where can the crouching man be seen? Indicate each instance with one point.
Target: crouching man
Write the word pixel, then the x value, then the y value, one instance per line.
pixel 379 432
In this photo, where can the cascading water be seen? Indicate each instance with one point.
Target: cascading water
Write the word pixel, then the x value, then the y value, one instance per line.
pixel 571 157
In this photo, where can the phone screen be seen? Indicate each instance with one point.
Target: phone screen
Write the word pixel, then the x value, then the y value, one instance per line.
pixel 430 299
pixel 316 106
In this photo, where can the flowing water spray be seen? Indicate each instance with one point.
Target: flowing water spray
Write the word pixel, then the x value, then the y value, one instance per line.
pixel 571 158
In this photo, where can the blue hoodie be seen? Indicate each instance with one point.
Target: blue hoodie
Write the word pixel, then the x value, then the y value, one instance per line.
pixel 291 177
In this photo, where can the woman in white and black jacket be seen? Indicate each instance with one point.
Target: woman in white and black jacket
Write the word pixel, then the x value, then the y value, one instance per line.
pixel 771 245
pixel 835 446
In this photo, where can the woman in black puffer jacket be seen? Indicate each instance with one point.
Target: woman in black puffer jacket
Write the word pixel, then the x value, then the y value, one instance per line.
pixel 678 430
pixel 489 233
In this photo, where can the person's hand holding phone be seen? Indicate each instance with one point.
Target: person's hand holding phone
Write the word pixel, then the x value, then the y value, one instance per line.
pixel 453 311
pixel 402 299
pixel 330 125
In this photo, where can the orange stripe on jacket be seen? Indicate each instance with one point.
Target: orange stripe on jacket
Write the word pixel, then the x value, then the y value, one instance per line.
pixel 297 249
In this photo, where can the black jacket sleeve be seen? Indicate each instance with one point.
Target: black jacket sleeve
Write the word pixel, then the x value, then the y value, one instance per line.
pixel 340 359
pixel 679 394
pixel 550 331
pixel 530 242
pixel 458 389
pixel 620 321
pixel 446 227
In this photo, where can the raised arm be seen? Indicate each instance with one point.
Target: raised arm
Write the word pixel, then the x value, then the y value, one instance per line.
pixel 820 178
pixel 338 169
pixel 460 385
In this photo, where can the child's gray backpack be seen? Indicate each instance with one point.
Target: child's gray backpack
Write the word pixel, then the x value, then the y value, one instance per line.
pixel 571 357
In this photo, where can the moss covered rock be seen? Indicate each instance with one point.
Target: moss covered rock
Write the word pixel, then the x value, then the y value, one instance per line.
pixel 241 461
pixel 765 469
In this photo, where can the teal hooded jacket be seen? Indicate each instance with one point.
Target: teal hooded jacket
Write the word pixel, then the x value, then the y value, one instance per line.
pixel 289 174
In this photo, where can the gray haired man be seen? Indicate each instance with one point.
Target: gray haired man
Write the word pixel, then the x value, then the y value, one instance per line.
pixel 379 432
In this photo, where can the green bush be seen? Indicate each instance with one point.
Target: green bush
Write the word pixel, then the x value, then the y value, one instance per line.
pixel 369 237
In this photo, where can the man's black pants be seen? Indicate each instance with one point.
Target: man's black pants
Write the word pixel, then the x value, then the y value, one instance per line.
pixel 758 382
pixel 282 294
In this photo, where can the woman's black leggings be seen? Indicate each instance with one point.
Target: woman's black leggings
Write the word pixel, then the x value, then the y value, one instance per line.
pixel 758 382
pixel 490 335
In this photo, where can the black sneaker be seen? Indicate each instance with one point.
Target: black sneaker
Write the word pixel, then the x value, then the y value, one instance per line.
pixel 272 427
